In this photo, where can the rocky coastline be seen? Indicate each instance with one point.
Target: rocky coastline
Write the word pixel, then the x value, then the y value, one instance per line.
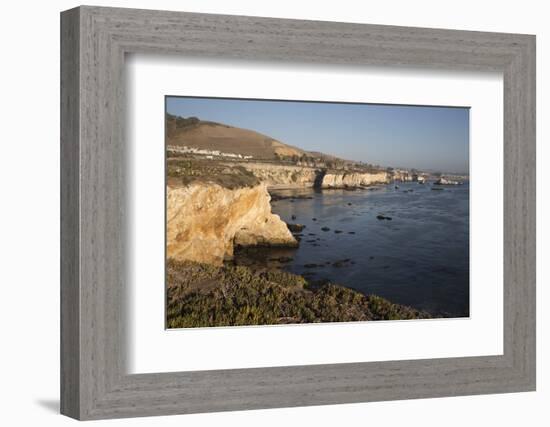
pixel 229 256
pixel 277 176
pixel 202 295
pixel 213 209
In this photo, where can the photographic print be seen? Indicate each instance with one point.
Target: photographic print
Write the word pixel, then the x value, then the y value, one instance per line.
pixel 292 212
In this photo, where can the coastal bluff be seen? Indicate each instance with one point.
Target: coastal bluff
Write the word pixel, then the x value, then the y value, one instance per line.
pixel 205 221
pixel 290 176
pixel 281 175
pixel 353 179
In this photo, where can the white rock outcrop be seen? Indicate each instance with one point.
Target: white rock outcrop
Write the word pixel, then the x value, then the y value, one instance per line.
pixel 445 181
pixel 353 179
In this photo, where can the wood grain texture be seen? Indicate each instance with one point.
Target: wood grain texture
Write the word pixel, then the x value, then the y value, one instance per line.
pixel 94 232
pixel 70 291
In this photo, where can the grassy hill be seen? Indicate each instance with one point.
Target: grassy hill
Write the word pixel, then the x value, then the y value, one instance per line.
pixel 196 133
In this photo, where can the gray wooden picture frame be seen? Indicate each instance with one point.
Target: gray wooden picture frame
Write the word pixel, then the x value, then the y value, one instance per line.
pixel 94 382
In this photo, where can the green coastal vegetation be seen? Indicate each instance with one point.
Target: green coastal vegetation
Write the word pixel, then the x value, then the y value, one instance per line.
pixel 201 295
pixel 186 171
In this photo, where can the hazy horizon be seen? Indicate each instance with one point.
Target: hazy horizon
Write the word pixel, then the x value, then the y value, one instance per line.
pixel 421 137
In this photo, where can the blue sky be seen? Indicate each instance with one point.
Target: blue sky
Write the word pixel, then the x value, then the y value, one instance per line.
pixel 434 138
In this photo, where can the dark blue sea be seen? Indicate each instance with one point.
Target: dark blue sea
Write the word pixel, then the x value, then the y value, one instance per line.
pixel 419 258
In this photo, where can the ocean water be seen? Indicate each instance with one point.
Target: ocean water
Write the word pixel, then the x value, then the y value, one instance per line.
pixel 419 258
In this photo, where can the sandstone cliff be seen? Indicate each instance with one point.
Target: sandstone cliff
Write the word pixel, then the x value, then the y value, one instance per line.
pixel 283 175
pixel 205 221
pixel 298 176
pixel 353 179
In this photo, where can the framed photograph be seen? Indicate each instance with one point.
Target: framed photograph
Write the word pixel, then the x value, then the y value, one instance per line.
pixel 261 232
pixel 261 213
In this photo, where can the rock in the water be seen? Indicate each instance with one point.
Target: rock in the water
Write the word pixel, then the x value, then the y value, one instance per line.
pixel 282 259
pixel 276 197
pixel 351 232
pixel 338 231
pixel 381 217
pixel 293 217
pixel 341 263
pixel 325 229
pixel 313 265
pixel 295 228
pixel 445 181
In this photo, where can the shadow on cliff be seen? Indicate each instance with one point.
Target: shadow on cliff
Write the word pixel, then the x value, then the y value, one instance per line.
pixel 318 182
